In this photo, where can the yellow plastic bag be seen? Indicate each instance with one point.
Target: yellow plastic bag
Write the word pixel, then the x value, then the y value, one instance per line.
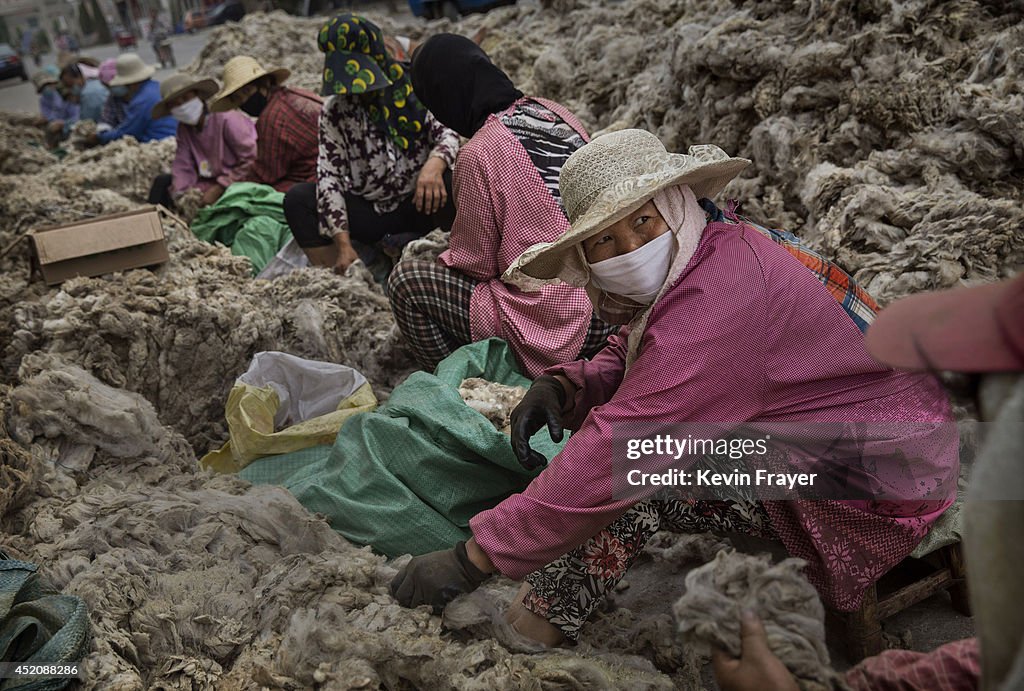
pixel 281 405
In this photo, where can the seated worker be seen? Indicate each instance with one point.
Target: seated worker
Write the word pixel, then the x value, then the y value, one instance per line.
pixel 726 326
pixel 286 121
pixel 56 114
pixel 134 86
pixel 384 161
pixel 506 199
pixel 214 149
pixel 977 330
pixel 83 82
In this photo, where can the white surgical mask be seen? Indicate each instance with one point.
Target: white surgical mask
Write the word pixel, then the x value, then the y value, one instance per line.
pixel 637 275
pixel 188 112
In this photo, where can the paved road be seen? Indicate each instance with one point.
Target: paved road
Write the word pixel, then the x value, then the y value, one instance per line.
pixel 18 95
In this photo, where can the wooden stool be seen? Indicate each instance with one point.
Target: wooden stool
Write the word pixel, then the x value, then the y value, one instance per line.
pixel 862 630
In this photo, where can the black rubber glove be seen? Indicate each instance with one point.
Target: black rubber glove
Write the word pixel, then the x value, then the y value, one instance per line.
pixel 437 578
pixel 542 405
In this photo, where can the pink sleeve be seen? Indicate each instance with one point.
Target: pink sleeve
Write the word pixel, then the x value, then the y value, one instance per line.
pixel 240 138
pixel 702 360
pixel 596 380
pixel 951 667
pixel 184 171
pixel 476 232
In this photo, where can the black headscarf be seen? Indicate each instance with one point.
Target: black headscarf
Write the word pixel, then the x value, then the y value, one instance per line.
pixel 459 84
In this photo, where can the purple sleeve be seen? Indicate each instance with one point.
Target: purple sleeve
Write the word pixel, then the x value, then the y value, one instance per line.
pixel 596 380
pixel 70 114
pixel 51 106
pixel 184 174
pixel 687 372
pixel 240 139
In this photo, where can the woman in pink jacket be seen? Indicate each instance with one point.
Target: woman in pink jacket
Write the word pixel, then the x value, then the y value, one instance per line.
pixel 214 149
pixel 506 199
pixel 728 325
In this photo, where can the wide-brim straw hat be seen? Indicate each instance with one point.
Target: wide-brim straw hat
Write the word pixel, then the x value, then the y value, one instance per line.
pixel 175 86
pixel 76 59
pixel 605 181
pixel 239 71
pixel 44 78
pixel 976 329
pixel 131 70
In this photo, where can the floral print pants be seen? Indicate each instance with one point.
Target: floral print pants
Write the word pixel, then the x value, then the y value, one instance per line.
pixel 566 591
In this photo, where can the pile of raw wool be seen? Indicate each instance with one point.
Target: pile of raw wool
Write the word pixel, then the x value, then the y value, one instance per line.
pixel 794 618
pixel 427 248
pixel 492 400
pixel 181 334
pixel 887 134
pixel 37 192
pixel 282 41
pixel 200 581
pixel 123 165
pixel 22 146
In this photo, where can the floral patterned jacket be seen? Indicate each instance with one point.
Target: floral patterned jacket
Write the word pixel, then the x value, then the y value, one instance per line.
pixel 357 158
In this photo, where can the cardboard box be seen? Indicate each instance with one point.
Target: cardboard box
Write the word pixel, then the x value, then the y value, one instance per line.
pixel 99 246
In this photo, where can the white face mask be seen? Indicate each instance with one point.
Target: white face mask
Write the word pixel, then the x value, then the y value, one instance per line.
pixel 637 275
pixel 188 112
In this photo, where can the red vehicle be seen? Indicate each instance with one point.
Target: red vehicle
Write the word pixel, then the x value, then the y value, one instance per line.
pixel 227 11
pixel 195 20
pixel 125 38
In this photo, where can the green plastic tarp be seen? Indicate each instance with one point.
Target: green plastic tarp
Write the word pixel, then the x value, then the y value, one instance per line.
pixel 38 626
pixel 407 477
pixel 248 218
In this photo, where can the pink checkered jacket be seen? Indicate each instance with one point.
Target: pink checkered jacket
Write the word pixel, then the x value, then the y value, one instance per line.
pixel 746 334
pixel 503 208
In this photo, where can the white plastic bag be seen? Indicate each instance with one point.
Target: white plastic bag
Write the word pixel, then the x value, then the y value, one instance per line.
pixel 284 403
pixel 306 388
pixel 288 259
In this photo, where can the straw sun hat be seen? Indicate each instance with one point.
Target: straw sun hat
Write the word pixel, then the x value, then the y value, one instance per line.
pixel 605 181
pixel 76 59
pixel 44 78
pixel 239 71
pixel 131 70
pixel 176 85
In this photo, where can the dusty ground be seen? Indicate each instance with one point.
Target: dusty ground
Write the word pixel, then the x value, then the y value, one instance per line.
pixel 886 134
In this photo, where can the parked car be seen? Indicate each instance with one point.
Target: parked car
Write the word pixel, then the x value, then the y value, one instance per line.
pixel 453 9
pixel 10 64
pixel 229 11
pixel 124 37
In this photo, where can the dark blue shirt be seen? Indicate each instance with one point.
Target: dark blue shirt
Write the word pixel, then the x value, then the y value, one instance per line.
pixel 137 120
